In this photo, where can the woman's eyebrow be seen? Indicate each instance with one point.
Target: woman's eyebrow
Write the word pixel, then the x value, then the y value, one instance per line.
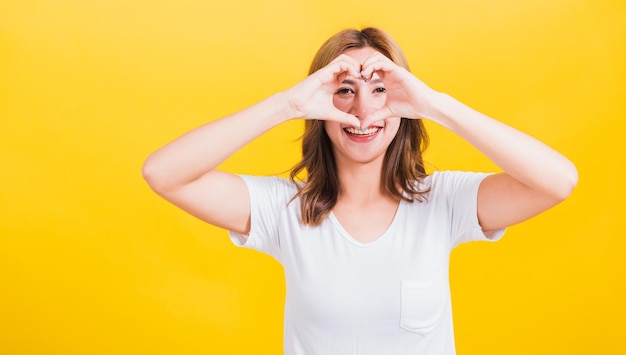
pixel 353 82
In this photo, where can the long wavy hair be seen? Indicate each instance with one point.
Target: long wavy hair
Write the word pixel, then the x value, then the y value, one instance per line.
pixel 403 166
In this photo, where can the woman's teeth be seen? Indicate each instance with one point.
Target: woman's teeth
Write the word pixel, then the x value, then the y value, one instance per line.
pixel 360 131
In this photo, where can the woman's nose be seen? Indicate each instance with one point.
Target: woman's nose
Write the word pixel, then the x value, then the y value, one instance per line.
pixel 361 106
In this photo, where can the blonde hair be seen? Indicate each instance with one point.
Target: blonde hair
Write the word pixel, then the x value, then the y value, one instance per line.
pixel 403 166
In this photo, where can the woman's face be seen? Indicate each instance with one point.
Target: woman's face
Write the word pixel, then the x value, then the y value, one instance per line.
pixel 361 98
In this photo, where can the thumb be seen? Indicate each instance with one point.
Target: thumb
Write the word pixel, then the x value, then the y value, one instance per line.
pixel 343 117
pixel 378 115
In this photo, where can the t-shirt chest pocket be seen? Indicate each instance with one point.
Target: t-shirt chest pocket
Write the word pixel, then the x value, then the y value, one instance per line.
pixel 423 303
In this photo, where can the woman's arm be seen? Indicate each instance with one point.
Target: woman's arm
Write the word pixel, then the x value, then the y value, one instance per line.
pixel 535 176
pixel 183 172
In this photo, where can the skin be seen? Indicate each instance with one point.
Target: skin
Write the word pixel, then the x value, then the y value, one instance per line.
pixel 360 98
pixel 362 208
pixel 346 93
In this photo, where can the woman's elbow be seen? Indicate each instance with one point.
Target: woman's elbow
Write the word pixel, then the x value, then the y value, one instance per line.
pixel 567 183
pixel 154 175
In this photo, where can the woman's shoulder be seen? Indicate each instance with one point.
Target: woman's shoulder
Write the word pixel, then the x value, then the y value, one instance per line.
pixel 455 175
pixel 275 185
pixel 453 179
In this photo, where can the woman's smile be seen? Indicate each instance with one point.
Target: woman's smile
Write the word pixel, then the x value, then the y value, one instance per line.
pixel 362 135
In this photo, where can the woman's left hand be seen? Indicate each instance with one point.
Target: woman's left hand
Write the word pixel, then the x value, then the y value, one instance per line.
pixel 535 176
pixel 407 96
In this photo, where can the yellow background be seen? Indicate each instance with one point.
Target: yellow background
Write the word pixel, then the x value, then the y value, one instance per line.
pixel 92 262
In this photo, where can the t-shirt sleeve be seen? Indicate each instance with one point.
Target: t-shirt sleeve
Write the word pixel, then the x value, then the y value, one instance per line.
pixel 461 193
pixel 268 197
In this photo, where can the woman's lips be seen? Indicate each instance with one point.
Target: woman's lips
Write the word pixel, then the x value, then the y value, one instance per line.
pixel 359 132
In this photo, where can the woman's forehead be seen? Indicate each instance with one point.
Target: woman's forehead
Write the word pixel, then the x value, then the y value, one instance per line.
pixel 360 54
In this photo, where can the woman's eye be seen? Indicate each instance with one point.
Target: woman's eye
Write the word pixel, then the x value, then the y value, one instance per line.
pixel 344 91
pixel 380 90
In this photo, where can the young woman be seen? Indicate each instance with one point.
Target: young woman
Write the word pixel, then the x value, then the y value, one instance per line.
pixel 365 238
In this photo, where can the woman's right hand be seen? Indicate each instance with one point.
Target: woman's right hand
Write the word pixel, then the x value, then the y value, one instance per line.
pixel 184 171
pixel 312 98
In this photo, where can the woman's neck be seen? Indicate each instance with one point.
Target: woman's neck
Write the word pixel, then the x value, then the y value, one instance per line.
pixel 360 182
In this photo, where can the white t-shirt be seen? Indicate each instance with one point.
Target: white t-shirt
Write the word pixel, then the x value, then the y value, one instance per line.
pixel 390 296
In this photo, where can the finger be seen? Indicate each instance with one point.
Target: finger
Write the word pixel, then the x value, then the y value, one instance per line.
pixel 343 117
pixel 345 64
pixel 335 73
pixel 378 115
pixel 377 62
pixel 342 76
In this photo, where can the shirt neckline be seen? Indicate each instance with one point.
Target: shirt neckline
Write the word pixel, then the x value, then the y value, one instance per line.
pixel 383 236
